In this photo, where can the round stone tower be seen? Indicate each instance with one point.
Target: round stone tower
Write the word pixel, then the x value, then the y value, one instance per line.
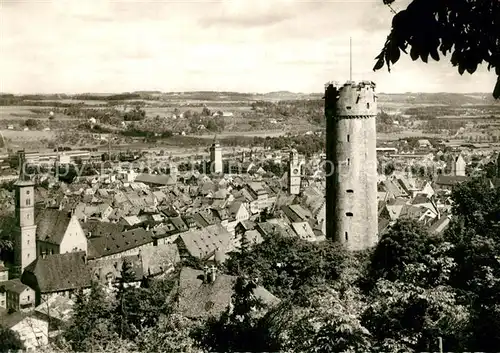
pixel 351 183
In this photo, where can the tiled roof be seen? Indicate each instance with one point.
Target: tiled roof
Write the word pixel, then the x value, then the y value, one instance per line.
pixel 57 307
pixel 13 285
pixel 119 242
pixel 449 180
pixel 394 188
pixel 247 225
pixel 198 299
pixel 439 225
pixel 254 237
pixel 158 259
pixel 13 319
pixel 202 242
pixel 179 224
pixel 163 179
pixel 303 230
pixel 383 223
pixel 58 272
pixel 102 269
pixel 51 225
pixel 420 199
pixel 270 227
pixel 99 229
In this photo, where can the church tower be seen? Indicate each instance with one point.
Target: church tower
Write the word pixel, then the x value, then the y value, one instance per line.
pixel 25 230
pixel 351 182
pixel 458 166
pixel 294 173
pixel 216 157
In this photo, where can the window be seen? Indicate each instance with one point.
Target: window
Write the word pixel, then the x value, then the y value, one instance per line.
pixel 367 105
pixel 350 191
pixel 348 138
pixel 348 161
pixel 28 297
pixel 348 214
pixel 28 202
pixel 27 192
pixel 346 236
pixel 348 108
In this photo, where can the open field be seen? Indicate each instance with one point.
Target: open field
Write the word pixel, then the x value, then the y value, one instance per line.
pixel 17 112
pixel 243 133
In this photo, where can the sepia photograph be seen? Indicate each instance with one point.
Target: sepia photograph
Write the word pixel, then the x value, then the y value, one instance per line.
pixel 296 176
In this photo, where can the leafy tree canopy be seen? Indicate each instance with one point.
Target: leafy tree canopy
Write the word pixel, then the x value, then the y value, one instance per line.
pixel 466 29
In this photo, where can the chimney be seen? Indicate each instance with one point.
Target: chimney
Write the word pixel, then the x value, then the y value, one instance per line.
pixel 213 273
pixel 205 274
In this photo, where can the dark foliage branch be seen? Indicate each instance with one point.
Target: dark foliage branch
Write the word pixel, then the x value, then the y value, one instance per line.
pixel 469 30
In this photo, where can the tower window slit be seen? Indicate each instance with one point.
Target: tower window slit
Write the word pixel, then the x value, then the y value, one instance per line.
pixel 367 105
pixel 346 236
pixel 348 214
pixel 348 107
pixel 350 191
pixel 348 161
pixel 348 138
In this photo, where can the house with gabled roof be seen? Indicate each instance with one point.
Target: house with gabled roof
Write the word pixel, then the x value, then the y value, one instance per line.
pixel 305 232
pixel 61 274
pixel 59 232
pixel 16 296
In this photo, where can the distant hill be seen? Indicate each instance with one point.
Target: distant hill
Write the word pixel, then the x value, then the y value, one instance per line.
pixel 455 99
pixel 449 99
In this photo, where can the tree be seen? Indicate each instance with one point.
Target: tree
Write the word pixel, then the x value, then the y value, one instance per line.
pixel 171 335
pixel 477 204
pixel 31 123
pixel 329 320
pixel 405 243
pixel 411 318
pixel 10 340
pixel 468 30
pixel 239 328
pixel 285 265
pixel 127 316
pixel 91 325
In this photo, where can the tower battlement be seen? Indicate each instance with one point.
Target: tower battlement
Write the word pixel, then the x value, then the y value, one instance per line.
pixel 351 100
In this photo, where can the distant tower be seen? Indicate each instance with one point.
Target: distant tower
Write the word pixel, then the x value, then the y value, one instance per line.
pixel 351 187
pixel 294 173
pixel 215 157
pixel 25 230
pixel 458 166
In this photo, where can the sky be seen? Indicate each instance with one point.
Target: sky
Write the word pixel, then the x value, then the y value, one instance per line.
pixel 109 46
